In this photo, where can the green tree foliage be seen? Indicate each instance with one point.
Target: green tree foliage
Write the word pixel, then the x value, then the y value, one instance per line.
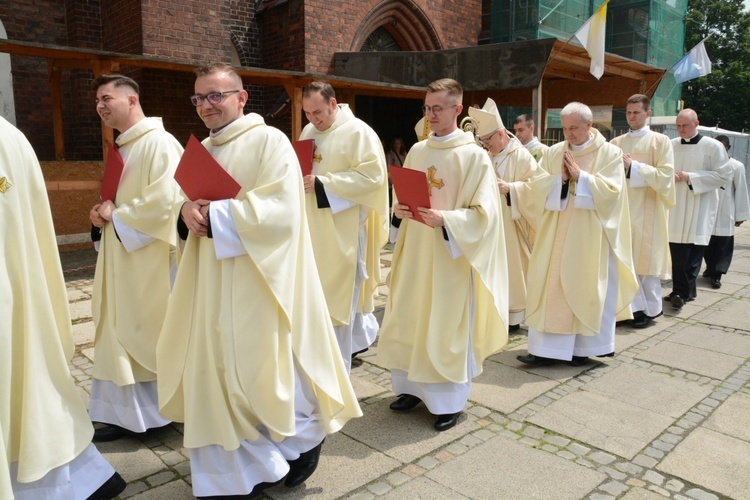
pixel 721 98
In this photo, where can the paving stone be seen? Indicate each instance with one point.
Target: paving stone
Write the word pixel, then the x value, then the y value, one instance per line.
pixel 506 389
pixel 398 478
pixel 428 462
pixel 692 359
pixel 653 477
pixel 614 474
pixel 536 474
pixel 601 458
pixel 731 418
pixel 700 494
pixel 484 434
pixel 653 452
pixel 645 461
pixel 603 422
pixel 160 478
pixel 379 488
pixel 422 487
pixel 566 454
pixel 578 449
pixel 560 441
pixel 614 488
pixel 175 490
pixel 533 432
pixel 712 460
pixel 628 468
pixel 652 391
pixel 674 485
pixel 661 445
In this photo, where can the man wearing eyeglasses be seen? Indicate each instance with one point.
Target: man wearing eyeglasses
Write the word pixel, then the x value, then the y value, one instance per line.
pixel 514 168
pixel 581 275
pixel 347 208
pixel 448 304
pixel 247 356
pixel 135 266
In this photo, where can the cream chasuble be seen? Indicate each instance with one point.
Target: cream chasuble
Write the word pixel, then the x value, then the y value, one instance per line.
pixel 693 217
pixel 517 167
pixel 568 276
pixel 131 289
pixel 537 149
pixel 349 161
pixel 236 328
pixel 425 330
pixel 43 422
pixel 651 193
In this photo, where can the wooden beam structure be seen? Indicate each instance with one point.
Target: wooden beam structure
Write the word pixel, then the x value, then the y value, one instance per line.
pixel 101 62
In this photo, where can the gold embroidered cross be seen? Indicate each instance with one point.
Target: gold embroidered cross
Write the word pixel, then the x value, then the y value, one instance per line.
pixel 316 158
pixel 4 184
pixel 432 181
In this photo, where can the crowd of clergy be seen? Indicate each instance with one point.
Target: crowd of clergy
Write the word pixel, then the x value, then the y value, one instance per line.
pixel 240 316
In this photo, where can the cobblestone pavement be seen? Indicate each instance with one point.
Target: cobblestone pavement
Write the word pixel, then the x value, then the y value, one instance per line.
pixel 668 416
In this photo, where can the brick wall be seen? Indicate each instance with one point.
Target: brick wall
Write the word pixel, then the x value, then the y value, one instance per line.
pixel 332 26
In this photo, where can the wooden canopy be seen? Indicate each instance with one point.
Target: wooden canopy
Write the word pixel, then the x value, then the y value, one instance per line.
pixel 540 74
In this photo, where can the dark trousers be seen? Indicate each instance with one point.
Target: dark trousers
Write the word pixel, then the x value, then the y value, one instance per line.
pixel 686 264
pixel 719 255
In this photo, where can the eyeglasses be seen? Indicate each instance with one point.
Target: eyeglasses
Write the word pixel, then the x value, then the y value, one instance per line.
pixel 212 97
pixel 486 140
pixel 435 110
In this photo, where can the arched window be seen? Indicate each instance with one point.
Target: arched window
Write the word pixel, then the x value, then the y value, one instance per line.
pixel 380 41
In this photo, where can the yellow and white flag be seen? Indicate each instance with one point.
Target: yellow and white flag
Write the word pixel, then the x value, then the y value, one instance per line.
pixel 591 36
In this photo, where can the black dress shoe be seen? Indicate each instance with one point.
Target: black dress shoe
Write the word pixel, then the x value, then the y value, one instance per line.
pixel 642 321
pixel 354 354
pixel 716 282
pixel 514 328
pixel 677 301
pixel 532 360
pixel 303 467
pixel 579 360
pixel 111 432
pixel 110 489
pixel 445 422
pixel 405 402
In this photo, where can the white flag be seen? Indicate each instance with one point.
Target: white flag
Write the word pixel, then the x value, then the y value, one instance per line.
pixel 693 64
pixel 591 36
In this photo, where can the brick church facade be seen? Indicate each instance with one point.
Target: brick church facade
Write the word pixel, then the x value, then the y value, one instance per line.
pixel 298 35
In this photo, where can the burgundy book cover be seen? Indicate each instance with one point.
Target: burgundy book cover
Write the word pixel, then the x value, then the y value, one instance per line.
pixel 305 150
pixel 112 173
pixel 201 177
pixel 411 189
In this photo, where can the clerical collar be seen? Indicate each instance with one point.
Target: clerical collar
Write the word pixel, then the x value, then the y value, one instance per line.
pixel 533 143
pixel 693 140
pixel 640 132
pixel 447 137
pixel 582 146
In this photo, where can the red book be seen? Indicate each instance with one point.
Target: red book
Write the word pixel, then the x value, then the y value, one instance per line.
pixel 201 177
pixel 411 189
pixel 305 150
pixel 112 173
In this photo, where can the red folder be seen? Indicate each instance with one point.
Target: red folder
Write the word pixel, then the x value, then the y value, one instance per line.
pixel 112 173
pixel 201 177
pixel 305 150
pixel 411 189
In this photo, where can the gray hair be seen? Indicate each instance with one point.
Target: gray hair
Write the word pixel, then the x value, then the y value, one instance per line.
pixel 579 109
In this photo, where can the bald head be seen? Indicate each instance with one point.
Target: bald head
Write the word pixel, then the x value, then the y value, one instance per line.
pixel 687 123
